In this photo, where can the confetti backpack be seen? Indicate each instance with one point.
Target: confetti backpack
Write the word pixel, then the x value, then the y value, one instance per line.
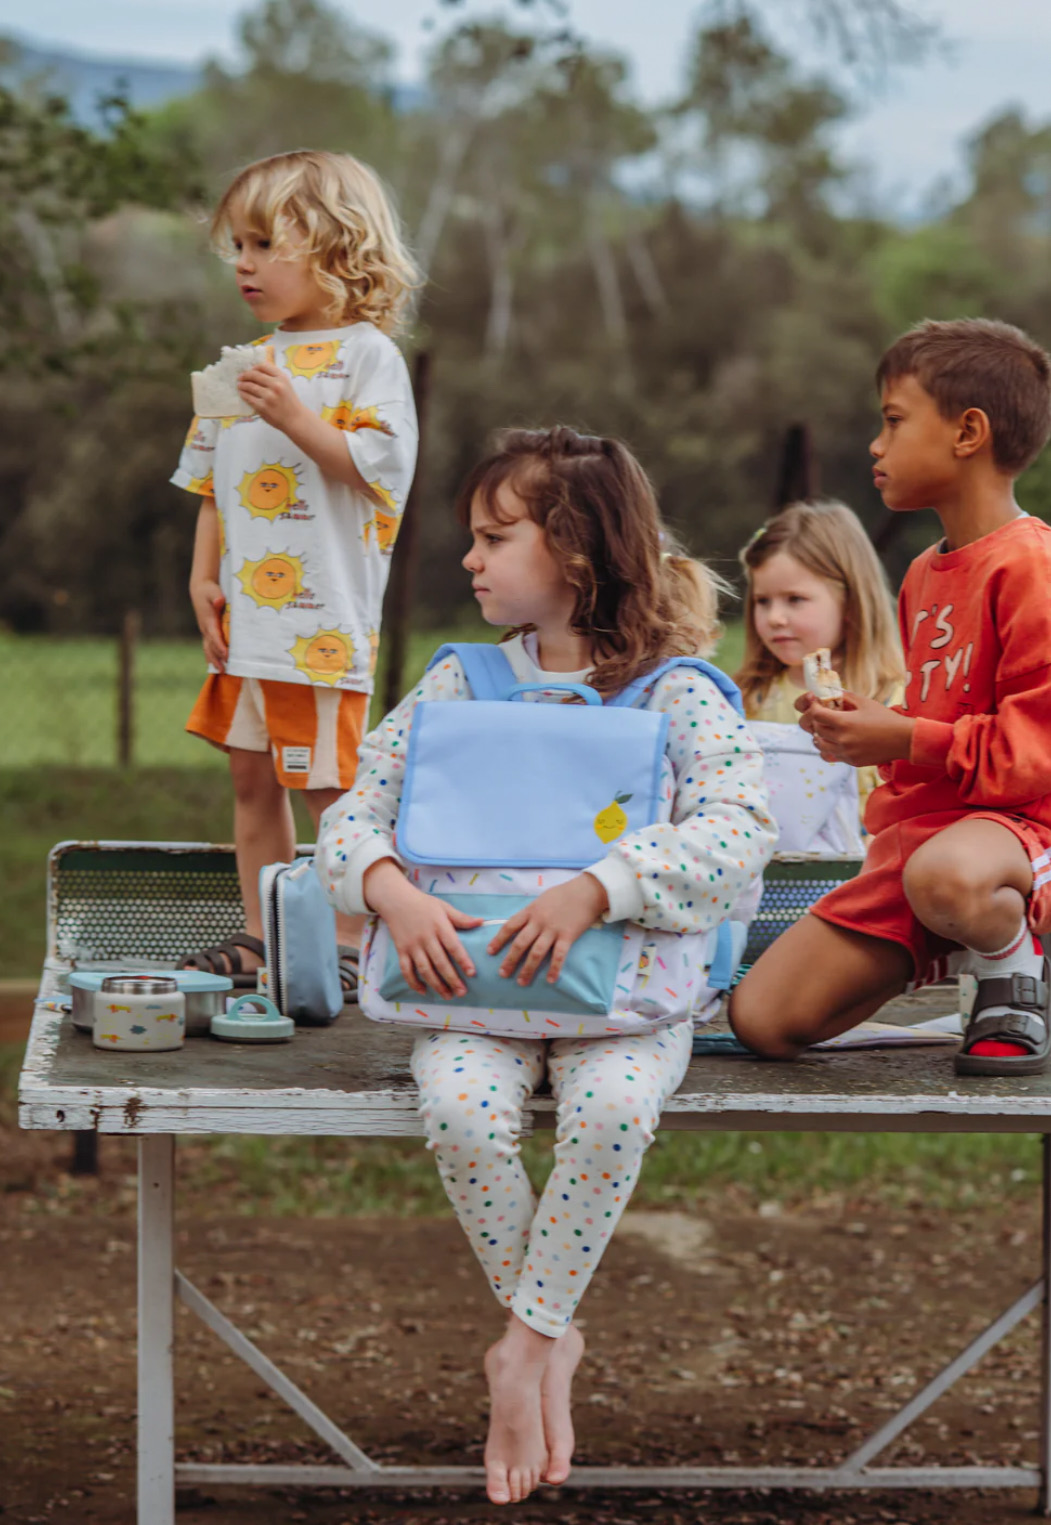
pixel 815 803
pixel 503 799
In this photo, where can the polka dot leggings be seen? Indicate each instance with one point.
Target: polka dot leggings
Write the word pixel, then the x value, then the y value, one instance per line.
pixel 540 1256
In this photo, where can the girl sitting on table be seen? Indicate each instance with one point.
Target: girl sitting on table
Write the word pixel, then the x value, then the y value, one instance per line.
pixel 566 550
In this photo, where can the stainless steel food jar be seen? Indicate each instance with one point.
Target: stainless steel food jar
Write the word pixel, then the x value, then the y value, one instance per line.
pixel 139 1012
pixel 205 995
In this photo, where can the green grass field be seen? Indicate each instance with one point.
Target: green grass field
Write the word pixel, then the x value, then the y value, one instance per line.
pixel 60 697
pixel 60 700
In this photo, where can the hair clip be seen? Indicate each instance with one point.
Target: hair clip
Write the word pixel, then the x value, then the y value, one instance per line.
pixel 756 536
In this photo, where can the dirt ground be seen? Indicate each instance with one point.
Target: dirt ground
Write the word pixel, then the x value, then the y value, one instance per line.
pixel 739 1334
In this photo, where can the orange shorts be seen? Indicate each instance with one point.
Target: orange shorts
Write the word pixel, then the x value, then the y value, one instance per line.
pixel 875 903
pixel 312 732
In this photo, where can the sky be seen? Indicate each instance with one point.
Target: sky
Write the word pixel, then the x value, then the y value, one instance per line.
pixel 907 133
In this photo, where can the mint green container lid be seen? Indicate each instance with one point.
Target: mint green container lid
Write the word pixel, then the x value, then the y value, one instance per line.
pixel 253 1018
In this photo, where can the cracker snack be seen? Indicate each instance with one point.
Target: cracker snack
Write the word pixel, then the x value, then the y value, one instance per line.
pixel 215 393
pixel 822 679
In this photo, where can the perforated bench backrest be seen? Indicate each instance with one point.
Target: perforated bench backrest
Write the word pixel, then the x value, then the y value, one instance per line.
pixel 790 887
pixel 156 901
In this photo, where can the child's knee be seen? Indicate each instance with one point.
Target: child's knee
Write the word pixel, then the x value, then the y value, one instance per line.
pixel 766 1033
pixel 941 886
pixel 620 1125
pixel 253 777
pixel 448 1120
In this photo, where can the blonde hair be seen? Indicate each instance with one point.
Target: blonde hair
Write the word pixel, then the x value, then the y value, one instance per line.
pixel 638 597
pixel 830 541
pixel 341 217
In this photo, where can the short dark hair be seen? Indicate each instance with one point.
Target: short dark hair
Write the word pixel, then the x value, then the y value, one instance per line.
pixel 979 363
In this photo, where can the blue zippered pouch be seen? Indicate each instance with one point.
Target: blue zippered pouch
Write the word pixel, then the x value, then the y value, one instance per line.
pixel 587 984
pixel 299 928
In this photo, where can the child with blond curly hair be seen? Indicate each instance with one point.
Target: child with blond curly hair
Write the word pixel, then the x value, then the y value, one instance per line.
pixel 300 502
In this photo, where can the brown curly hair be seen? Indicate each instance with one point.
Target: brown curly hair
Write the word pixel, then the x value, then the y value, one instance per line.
pixel 339 210
pixel 639 597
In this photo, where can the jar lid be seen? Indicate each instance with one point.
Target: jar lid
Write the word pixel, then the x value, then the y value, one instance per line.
pixel 140 984
pixel 252 1018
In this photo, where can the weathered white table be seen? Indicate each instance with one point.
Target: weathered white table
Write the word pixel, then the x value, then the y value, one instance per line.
pixel 352 1080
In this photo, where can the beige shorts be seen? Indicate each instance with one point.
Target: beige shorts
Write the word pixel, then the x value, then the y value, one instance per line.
pixel 313 733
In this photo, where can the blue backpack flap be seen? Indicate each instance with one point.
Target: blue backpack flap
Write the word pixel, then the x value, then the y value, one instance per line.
pixel 513 785
pixel 302 959
pixel 495 784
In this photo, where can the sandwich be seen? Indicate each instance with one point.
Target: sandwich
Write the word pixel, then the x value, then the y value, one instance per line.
pixel 821 678
pixel 215 393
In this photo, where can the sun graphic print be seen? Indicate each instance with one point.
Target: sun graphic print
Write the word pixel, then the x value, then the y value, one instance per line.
pixel 269 491
pixel 273 581
pixel 385 525
pixel 204 485
pixel 344 415
pixel 374 650
pixel 326 657
pixel 310 359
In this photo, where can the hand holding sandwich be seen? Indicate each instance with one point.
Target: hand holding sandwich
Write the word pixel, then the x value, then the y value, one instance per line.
pixel 860 731
pixel 268 389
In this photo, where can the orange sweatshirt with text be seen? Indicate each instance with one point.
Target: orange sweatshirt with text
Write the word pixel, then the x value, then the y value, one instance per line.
pixel 976 630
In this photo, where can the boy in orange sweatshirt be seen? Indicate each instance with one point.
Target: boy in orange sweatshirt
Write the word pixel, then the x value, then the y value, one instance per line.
pixel 960 861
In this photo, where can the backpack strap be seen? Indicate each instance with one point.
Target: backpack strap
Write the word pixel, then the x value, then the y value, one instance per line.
pixel 488 672
pixel 726 686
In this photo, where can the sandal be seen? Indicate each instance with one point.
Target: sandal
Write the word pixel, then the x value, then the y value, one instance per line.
pixel 348 973
pixel 225 958
pixel 1021 1018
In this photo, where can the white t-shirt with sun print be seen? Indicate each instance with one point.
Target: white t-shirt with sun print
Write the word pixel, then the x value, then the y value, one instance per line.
pixel 304 559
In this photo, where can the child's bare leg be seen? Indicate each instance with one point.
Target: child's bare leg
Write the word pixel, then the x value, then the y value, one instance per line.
pixel 349 929
pixel 815 981
pixel 516 1454
pixel 969 884
pixel 555 1394
pixel 264 831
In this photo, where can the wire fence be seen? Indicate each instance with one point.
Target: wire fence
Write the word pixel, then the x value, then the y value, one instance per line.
pixel 122 701
pixel 100 702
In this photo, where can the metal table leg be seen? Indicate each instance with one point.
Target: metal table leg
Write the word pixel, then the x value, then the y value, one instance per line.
pixel 156 1331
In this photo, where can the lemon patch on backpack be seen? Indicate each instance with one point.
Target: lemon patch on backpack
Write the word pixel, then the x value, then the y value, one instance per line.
pixel 611 821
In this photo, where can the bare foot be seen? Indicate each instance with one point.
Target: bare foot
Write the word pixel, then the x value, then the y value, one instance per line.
pixel 555 1404
pixel 515 1450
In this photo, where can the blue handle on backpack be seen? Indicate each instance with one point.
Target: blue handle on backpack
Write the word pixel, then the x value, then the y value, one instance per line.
pixel 589 695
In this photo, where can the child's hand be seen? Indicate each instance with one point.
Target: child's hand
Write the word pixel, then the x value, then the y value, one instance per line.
pixel 270 392
pixel 422 929
pixel 209 603
pixel 552 925
pixel 864 732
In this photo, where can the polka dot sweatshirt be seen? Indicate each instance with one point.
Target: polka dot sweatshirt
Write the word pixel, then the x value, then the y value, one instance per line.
pixel 682 875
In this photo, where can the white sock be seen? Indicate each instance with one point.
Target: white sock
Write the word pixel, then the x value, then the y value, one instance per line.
pixel 1022 955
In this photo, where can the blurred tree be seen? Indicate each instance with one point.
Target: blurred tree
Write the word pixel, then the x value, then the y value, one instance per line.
pixel 310 77
pixel 696 313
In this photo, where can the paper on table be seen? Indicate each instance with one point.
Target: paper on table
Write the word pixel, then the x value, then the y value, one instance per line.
pixel 890 1035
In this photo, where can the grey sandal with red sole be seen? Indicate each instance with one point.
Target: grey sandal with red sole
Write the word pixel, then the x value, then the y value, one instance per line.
pixel 1025 1022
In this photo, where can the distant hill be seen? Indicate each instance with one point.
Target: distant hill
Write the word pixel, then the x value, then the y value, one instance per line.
pixel 85 77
